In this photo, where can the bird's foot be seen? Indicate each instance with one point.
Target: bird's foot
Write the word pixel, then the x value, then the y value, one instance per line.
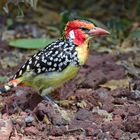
pixel 57 110
pixel 48 99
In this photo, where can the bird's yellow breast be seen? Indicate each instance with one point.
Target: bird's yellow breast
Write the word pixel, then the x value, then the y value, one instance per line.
pixel 83 52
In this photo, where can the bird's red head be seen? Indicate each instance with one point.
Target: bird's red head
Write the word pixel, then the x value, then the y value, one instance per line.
pixel 81 30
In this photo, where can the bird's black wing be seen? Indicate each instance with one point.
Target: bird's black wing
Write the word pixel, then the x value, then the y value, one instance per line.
pixel 55 57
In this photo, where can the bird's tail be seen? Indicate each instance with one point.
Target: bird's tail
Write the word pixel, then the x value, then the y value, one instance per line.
pixel 8 86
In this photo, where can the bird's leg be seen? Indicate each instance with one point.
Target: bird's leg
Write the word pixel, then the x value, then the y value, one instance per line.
pixel 51 100
pixel 45 94
pixel 47 91
pixel 57 108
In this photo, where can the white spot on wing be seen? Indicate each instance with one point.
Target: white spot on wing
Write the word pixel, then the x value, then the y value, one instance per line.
pixel 49 63
pixel 55 65
pixel 38 65
pixel 20 72
pixel 38 70
pixel 28 68
pixel 23 66
pixel 37 57
pixel 43 68
pixel 51 58
pixel 56 59
pixel 44 61
pixel 35 62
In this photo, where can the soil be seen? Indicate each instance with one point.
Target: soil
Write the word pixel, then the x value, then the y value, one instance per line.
pixel 88 111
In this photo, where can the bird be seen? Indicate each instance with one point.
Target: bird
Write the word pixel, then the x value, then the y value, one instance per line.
pixel 59 61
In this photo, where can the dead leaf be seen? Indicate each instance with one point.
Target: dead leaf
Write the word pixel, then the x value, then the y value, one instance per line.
pixel 82 104
pixel 46 120
pixel 114 84
pixel 66 103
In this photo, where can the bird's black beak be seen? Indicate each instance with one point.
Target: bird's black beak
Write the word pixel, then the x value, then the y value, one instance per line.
pixel 96 31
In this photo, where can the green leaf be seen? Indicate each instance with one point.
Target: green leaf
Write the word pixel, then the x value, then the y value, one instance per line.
pixel 3 79
pixel 30 43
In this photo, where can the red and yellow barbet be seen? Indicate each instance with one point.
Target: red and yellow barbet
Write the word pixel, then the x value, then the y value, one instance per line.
pixel 59 61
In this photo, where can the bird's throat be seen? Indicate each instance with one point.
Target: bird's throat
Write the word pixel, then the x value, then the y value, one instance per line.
pixel 83 52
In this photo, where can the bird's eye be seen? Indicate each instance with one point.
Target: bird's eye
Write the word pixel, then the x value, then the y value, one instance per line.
pixel 84 29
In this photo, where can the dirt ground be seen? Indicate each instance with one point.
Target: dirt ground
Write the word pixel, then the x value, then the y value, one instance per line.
pixel 89 108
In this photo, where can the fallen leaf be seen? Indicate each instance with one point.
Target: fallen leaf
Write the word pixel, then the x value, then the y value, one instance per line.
pixel 82 104
pixel 65 103
pixel 114 84
pixel 3 79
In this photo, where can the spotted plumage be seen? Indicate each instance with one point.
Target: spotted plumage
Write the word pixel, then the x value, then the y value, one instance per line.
pixel 58 62
pixel 55 57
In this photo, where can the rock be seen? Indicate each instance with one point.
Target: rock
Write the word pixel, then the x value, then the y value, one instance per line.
pixel 57 116
pixel 117 133
pixel 132 124
pixel 31 130
pixel 83 114
pixel 5 129
pixel 80 127
pixel 104 136
pixel 29 119
pixel 57 130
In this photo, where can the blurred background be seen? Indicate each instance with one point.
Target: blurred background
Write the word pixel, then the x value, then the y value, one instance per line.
pixel 21 21
pixel 36 19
